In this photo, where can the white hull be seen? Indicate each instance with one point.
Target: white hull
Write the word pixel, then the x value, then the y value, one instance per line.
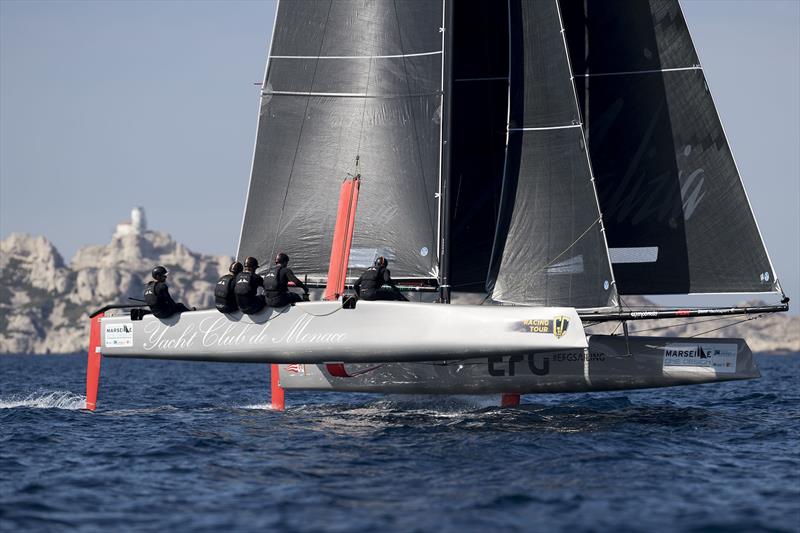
pixel 605 365
pixel 318 332
pixel 397 347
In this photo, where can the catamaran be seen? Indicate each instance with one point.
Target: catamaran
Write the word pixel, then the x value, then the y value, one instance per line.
pixel 553 156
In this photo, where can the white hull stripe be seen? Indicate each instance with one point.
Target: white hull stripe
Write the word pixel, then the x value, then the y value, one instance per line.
pixel 360 57
pixel 593 75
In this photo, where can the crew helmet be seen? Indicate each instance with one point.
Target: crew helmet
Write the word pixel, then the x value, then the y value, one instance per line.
pixel 236 267
pixel 159 272
pixel 381 262
pixel 251 262
pixel 281 259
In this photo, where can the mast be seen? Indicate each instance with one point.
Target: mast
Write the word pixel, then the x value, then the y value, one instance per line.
pixel 444 188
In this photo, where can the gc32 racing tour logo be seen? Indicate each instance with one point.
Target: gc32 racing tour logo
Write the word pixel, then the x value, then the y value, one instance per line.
pixel 557 326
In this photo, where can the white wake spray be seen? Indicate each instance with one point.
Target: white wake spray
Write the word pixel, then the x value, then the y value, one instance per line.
pixel 46 400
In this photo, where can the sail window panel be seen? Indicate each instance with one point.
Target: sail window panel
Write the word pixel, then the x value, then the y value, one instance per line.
pixel 379 77
pixel 357 28
pixel 541 90
pixel 666 178
pixel 607 36
pixel 553 253
pixel 399 165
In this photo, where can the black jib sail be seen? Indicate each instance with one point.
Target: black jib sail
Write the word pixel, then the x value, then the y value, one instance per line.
pixel 677 218
pixel 349 78
pixel 549 247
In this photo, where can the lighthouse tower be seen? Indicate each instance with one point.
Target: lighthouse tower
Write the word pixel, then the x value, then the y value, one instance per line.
pixel 136 226
pixel 138 221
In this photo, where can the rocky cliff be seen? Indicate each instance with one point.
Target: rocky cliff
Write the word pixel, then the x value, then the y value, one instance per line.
pixel 44 302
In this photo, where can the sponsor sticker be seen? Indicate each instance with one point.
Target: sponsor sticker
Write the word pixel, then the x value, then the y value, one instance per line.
pixel 296 368
pixel 118 335
pixel 557 326
pixel 719 357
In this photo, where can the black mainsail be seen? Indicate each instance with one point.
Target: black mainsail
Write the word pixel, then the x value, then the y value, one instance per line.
pixel 350 78
pixel 677 217
pixel 549 247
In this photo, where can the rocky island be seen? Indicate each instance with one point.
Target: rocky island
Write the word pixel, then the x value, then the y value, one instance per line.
pixel 44 301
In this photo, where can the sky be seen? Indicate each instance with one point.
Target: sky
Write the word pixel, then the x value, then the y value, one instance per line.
pixel 107 105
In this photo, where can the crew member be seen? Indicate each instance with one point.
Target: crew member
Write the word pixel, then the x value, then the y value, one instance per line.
pixel 277 285
pixel 246 288
pixel 156 295
pixel 369 286
pixel 223 292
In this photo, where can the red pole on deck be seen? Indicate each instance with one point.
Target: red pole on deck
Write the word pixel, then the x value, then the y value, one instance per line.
pixel 93 363
pixel 342 238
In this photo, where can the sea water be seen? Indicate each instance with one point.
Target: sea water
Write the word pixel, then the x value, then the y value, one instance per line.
pixel 195 447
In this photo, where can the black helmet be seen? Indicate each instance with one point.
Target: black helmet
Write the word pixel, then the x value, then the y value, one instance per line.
pixel 251 262
pixel 236 267
pixel 381 262
pixel 281 259
pixel 159 272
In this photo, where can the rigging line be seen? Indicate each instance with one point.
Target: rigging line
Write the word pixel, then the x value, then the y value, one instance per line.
pixel 414 124
pixel 678 324
pixel 727 325
pixel 625 73
pixel 300 134
pixel 364 112
pixel 325 314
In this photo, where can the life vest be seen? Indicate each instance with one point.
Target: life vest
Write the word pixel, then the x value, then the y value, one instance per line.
pixel 372 279
pixel 158 300
pixel 274 286
pixel 246 291
pixel 224 296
